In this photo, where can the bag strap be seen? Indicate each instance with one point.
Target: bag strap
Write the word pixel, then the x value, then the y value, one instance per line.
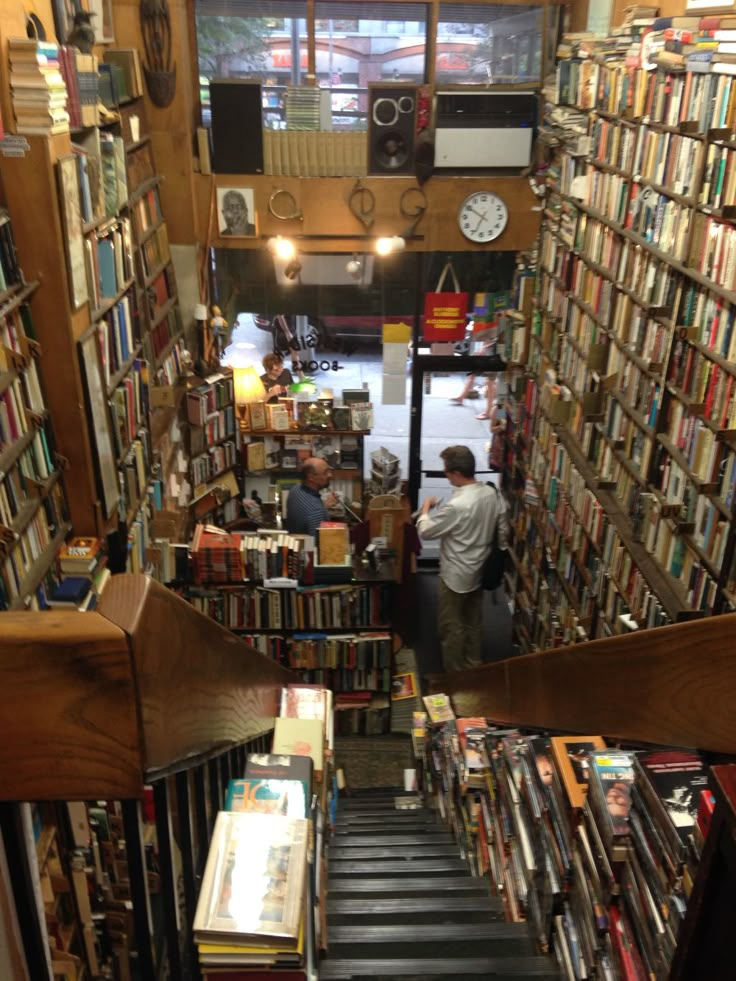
pixel 448 268
pixel 494 536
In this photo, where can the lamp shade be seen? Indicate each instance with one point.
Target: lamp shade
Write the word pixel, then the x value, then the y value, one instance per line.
pixel 238 355
pixel 247 385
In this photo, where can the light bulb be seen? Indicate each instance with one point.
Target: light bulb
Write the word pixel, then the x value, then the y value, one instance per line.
pixel 282 248
pixel 389 245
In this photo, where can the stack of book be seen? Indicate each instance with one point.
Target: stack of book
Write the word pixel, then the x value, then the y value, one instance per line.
pixel 251 909
pixel 80 75
pixel 216 555
pixel 37 86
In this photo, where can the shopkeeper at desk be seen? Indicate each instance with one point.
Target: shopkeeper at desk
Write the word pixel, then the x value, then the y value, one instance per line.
pixel 305 508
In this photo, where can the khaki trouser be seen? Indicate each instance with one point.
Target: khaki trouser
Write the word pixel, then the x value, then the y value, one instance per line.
pixel 460 619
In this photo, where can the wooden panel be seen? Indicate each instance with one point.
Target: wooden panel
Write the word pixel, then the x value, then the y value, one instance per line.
pixel 68 725
pixel 324 202
pixel 675 685
pixel 199 687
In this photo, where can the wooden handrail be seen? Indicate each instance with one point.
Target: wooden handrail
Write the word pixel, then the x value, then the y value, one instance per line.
pixel 97 704
pixel 200 688
pixel 674 685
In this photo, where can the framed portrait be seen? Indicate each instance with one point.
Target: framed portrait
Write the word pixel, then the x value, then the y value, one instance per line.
pixel 98 418
pixel 71 215
pixel 102 21
pixel 236 212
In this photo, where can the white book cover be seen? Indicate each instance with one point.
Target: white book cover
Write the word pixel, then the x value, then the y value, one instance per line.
pixel 254 880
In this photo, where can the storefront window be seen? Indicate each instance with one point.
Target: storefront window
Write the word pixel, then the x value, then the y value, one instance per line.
pixel 488 43
pixel 355 43
pixel 265 40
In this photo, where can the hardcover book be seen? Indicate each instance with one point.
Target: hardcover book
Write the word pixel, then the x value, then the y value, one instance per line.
pixel 571 756
pixel 254 880
pixel 300 737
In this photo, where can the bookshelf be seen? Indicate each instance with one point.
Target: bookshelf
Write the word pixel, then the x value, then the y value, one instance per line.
pixel 628 473
pixel 109 325
pixel 33 509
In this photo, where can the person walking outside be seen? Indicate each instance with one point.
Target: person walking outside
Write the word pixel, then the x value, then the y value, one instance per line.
pixel 464 525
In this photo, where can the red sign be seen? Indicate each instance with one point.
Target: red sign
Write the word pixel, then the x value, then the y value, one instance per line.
pixel 444 316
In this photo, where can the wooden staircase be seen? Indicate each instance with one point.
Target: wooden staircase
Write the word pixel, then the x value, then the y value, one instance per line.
pixel 402 902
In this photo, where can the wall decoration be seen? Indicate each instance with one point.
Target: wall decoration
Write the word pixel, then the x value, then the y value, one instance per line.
pixel 71 213
pixel 236 212
pixel 98 419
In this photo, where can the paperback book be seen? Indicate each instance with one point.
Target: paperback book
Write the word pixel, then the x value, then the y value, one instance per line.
pixel 280 766
pixel 571 757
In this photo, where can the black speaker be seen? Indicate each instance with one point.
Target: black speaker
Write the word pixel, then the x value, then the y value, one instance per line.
pixel 237 126
pixel 392 126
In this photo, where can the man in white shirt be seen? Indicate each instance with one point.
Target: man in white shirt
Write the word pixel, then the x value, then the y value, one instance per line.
pixel 464 526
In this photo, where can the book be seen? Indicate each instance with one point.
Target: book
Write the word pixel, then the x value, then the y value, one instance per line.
pixel 300 737
pixel 69 593
pixel 254 880
pixel 79 554
pixel 438 708
pixel 611 777
pixel 571 757
pixel 333 543
pixel 671 781
pixel 361 416
pixel 283 766
pixel 268 796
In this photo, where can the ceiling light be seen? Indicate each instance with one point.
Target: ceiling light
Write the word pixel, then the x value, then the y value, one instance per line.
pixel 282 248
pixel 390 245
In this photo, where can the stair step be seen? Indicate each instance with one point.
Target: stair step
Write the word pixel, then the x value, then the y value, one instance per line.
pixel 441 969
pixel 409 885
pixel 425 939
pixel 398 866
pixel 371 816
pixel 417 909
pixel 386 827
pixel 425 839
pixel 406 852
pixel 381 803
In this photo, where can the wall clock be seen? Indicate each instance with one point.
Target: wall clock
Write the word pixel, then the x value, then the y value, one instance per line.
pixel 482 216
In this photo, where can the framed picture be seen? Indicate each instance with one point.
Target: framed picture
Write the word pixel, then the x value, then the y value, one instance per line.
pixel 71 214
pixel 102 21
pixel 98 418
pixel 236 213
pixel 63 13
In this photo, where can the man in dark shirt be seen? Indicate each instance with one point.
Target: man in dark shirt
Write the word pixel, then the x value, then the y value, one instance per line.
pixel 304 507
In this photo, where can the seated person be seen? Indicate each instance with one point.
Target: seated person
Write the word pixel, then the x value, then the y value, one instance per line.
pixel 305 510
pixel 276 379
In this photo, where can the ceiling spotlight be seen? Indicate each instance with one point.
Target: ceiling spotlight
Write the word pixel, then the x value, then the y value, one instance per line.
pixel 282 248
pixel 354 268
pixel 390 245
pixel 292 269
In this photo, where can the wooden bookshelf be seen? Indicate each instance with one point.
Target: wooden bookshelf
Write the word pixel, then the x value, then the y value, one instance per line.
pixel 632 364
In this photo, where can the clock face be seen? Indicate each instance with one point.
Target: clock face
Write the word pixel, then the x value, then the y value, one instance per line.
pixel 482 216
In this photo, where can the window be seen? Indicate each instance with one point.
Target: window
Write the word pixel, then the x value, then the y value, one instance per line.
pixel 256 39
pixel 488 43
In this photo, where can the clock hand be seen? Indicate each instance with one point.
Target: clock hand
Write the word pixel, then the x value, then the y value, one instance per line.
pixel 471 208
pixel 483 218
